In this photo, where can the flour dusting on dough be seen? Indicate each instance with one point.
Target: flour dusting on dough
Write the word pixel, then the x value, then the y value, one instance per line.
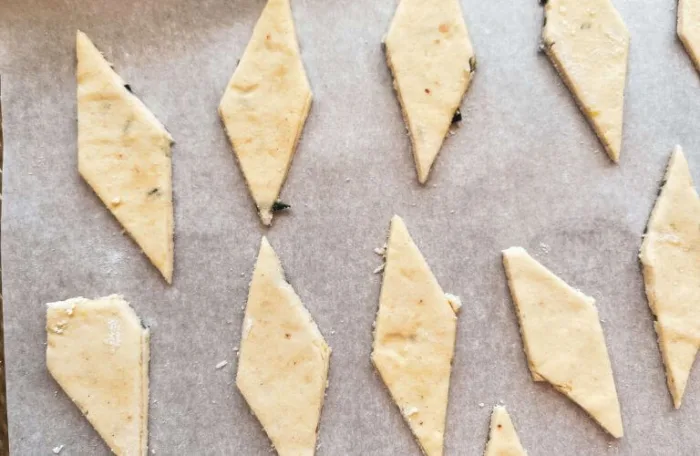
pixel 379 268
pixel 455 302
pixel 59 327
pixel 410 411
pixel 114 336
pixel 670 238
pixel 247 326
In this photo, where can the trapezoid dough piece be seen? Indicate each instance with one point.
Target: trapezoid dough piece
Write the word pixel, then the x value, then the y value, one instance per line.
pixel 503 440
pixel 414 339
pixel 563 338
pixel 670 257
pixel 588 44
pixel 265 105
pixel 432 61
pixel 98 352
pixel 124 155
pixel 283 360
pixel 689 28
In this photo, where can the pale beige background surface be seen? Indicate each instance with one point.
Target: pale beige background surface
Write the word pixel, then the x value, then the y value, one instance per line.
pixel 524 169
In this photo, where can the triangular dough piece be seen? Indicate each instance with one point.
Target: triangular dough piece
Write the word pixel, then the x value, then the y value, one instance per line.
pixel 503 440
pixel 563 339
pixel 670 257
pixel 124 154
pixel 414 339
pixel 98 351
pixel 265 105
pixel 689 28
pixel 431 59
pixel 283 361
pixel 588 43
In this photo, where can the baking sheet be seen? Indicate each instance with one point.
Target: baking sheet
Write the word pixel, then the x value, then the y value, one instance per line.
pixel 523 169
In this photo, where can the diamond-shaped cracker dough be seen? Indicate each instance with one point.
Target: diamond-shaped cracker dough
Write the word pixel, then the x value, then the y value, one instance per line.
pixel 431 59
pixel 670 256
pixel 414 339
pixel 563 339
pixel 283 360
pixel 265 105
pixel 124 155
pixel 98 352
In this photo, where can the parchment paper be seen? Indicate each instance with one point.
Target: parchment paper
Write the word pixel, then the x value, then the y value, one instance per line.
pixel 523 169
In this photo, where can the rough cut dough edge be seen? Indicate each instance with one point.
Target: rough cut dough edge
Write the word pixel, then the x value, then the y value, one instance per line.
pixel 145 384
pixel 533 373
pixel 376 369
pixel 145 364
pixel 680 30
pixel 326 358
pixel 488 429
pixel 538 377
pixel 140 105
pixel 387 55
pixel 579 103
pixel 76 300
pixel 650 293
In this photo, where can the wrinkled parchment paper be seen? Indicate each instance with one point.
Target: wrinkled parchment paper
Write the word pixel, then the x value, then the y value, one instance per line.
pixel 523 169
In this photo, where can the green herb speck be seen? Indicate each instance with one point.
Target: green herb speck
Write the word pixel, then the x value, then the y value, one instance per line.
pixel 279 206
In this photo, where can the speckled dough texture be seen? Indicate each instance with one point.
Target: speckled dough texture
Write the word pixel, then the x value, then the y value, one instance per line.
pixel 523 169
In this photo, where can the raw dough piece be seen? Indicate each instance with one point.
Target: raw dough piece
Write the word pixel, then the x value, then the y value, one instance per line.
pixel 563 339
pixel 431 59
pixel 670 257
pixel 414 339
pixel 283 361
pixel 503 440
pixel 124 154
pixel 265 105
pixel 689 28
pixel 98 351
pixel 588 44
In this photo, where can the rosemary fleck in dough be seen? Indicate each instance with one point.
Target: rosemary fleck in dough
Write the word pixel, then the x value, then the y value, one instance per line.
pixel 283 361
pixel 588 43
pixel 670 257
pixel 98 352
pixel 265 106
pixel 414 339
pixel 503 440
pixel 563 339
pixel 124 155
pixel 431 59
